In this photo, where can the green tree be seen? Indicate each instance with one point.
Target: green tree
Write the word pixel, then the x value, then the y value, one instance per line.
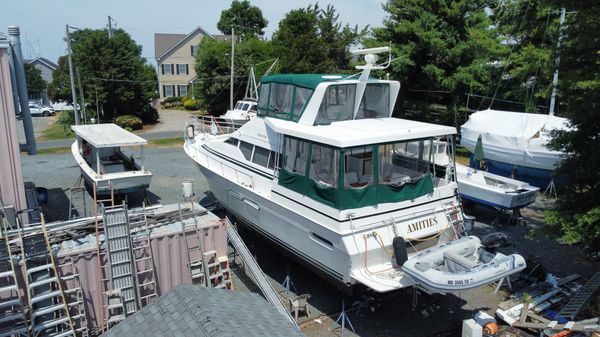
pixel 247 20
pixel 115 70
pixel 577 218
pixel 441 45
pixel 530 28
pixel 213 70
pixel 59 89
pixel 312 40
pixel 34 80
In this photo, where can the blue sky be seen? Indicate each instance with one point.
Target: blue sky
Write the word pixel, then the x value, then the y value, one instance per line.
pixel 42 22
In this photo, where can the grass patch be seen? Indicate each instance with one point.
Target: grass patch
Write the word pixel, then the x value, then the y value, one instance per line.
pixel 166 142
pixel 54 150
pixel 61 129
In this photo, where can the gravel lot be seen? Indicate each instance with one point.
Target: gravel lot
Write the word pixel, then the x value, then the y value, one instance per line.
pixel 395 314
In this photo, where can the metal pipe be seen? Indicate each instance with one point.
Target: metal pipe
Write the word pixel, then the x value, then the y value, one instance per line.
pixel 232 70
pixel 14 37
pixel 555 77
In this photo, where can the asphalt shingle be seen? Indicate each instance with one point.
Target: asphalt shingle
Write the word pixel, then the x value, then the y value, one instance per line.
pixel 189 310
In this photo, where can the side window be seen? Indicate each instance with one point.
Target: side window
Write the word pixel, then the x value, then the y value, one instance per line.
pixel 261 156
pixel 232 141
pixel 246 149
pixel 295 153
pixel 375 102
pixel 263 99
pixel 324 165
pixel 358 170
pixel 337 104
pixel 280 102
pixel 302 97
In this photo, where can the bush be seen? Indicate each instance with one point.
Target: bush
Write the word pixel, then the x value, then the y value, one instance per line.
pixel 171 99
pixel 191 104
pixel 149 115
pixel 129 121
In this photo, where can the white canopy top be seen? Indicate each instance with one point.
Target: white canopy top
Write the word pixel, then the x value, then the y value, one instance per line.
pixel 107 135
pixel 361 131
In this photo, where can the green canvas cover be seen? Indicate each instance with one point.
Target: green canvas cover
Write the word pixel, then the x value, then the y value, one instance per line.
pixel 309 81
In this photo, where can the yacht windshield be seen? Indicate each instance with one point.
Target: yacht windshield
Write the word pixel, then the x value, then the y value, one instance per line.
pixel 404 162
pixel 337 104
pixel 375 102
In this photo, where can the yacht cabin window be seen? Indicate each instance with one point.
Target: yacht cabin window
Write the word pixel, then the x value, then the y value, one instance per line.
pixel 358 172
pixel 404 162
pixel 375 102
pixel 337 104
pixel 246 149
pixel 324 165
pixel 295 154
pixel 284 101
pixel 261 156
pixel 233 141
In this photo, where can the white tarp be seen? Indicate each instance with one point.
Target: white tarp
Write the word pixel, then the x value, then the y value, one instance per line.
pixel 516 138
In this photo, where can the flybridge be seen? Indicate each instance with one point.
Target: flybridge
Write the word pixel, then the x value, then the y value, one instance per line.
pixel 316 99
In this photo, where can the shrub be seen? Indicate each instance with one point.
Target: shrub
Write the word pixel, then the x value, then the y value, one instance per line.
pixel 149 115
pixel 167 105
pixel 171 99
pixel 129 121
pixel 191 104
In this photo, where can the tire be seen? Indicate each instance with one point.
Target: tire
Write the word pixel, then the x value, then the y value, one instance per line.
pixel 45 114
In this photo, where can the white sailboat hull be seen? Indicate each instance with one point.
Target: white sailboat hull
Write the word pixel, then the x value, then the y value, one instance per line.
pixel 122 182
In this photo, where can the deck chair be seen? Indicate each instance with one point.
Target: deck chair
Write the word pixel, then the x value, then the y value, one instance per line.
pixel 299 303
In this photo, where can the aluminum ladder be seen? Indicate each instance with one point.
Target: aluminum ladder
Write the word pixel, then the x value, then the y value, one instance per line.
pixel 117 238
pixel 12 315
pixel 454 215
pixel 46 298
pixel 193 250
pixel 255 272
pixel 572 308
pixel 74 297
pixel 143 259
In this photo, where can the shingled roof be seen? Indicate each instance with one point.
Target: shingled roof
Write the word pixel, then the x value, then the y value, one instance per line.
pixel 189 310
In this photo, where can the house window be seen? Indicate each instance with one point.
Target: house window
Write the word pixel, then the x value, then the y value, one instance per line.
pixel 183 89
pixel 194 49
pixel 168 90
pixel 182 69
pixel 167 69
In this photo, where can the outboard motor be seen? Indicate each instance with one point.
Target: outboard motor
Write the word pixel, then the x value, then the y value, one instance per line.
pixel 495 240
pixel 400 252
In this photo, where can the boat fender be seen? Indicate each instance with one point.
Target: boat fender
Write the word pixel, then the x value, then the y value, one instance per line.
pixel 400 252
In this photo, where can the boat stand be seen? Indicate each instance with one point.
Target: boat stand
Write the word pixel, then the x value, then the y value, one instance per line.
pixel 288 283
pixel 343 318
pixel 508 284
pixel 551 190
pixel 78 187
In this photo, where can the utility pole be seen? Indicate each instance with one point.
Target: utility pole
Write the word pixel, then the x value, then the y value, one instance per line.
pixel 109 27
pixel 73 93
pixel 555 77
pixel 231 79
pixel 83 112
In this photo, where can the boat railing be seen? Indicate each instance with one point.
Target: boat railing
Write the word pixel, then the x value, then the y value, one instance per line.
pixel 216 125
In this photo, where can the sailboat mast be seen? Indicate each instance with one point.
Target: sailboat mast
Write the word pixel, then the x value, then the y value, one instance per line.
pixel 555 77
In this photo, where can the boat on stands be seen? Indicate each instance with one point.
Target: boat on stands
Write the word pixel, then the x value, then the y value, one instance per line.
pixel 327 175
pixel 515 143
pixel 459 265
pixel 483 187
pixel 242 112
pixel 98 152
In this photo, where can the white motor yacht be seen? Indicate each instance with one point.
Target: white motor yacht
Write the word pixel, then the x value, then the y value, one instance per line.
pixel 98 153
pixel 327 175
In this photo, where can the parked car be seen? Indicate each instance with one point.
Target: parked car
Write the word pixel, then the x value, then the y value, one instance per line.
pixel 40 110
pixel 61 106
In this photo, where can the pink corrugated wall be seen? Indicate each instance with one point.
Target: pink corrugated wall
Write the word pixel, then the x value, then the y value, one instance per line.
pixel 170 259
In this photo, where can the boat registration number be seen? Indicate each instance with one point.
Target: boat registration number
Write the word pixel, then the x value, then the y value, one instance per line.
pixel 460 282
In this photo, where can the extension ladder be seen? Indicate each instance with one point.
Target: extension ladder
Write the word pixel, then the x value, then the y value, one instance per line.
pixel 47 304
pixel 572 308
pixel 12 316
pixel 143 259
pixel 194 252
pixel 74 297
pixel 119 255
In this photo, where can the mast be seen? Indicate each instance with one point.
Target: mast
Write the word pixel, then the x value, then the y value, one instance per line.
pixel 231 75
pixel 555 77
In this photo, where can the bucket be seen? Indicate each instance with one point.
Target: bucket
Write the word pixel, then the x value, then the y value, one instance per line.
pixel 468 222
pixel 187 188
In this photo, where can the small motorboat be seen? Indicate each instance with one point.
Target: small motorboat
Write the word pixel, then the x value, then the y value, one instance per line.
pixel 459 265
pixel 493 190
pixel 242 112
pixel 97 151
